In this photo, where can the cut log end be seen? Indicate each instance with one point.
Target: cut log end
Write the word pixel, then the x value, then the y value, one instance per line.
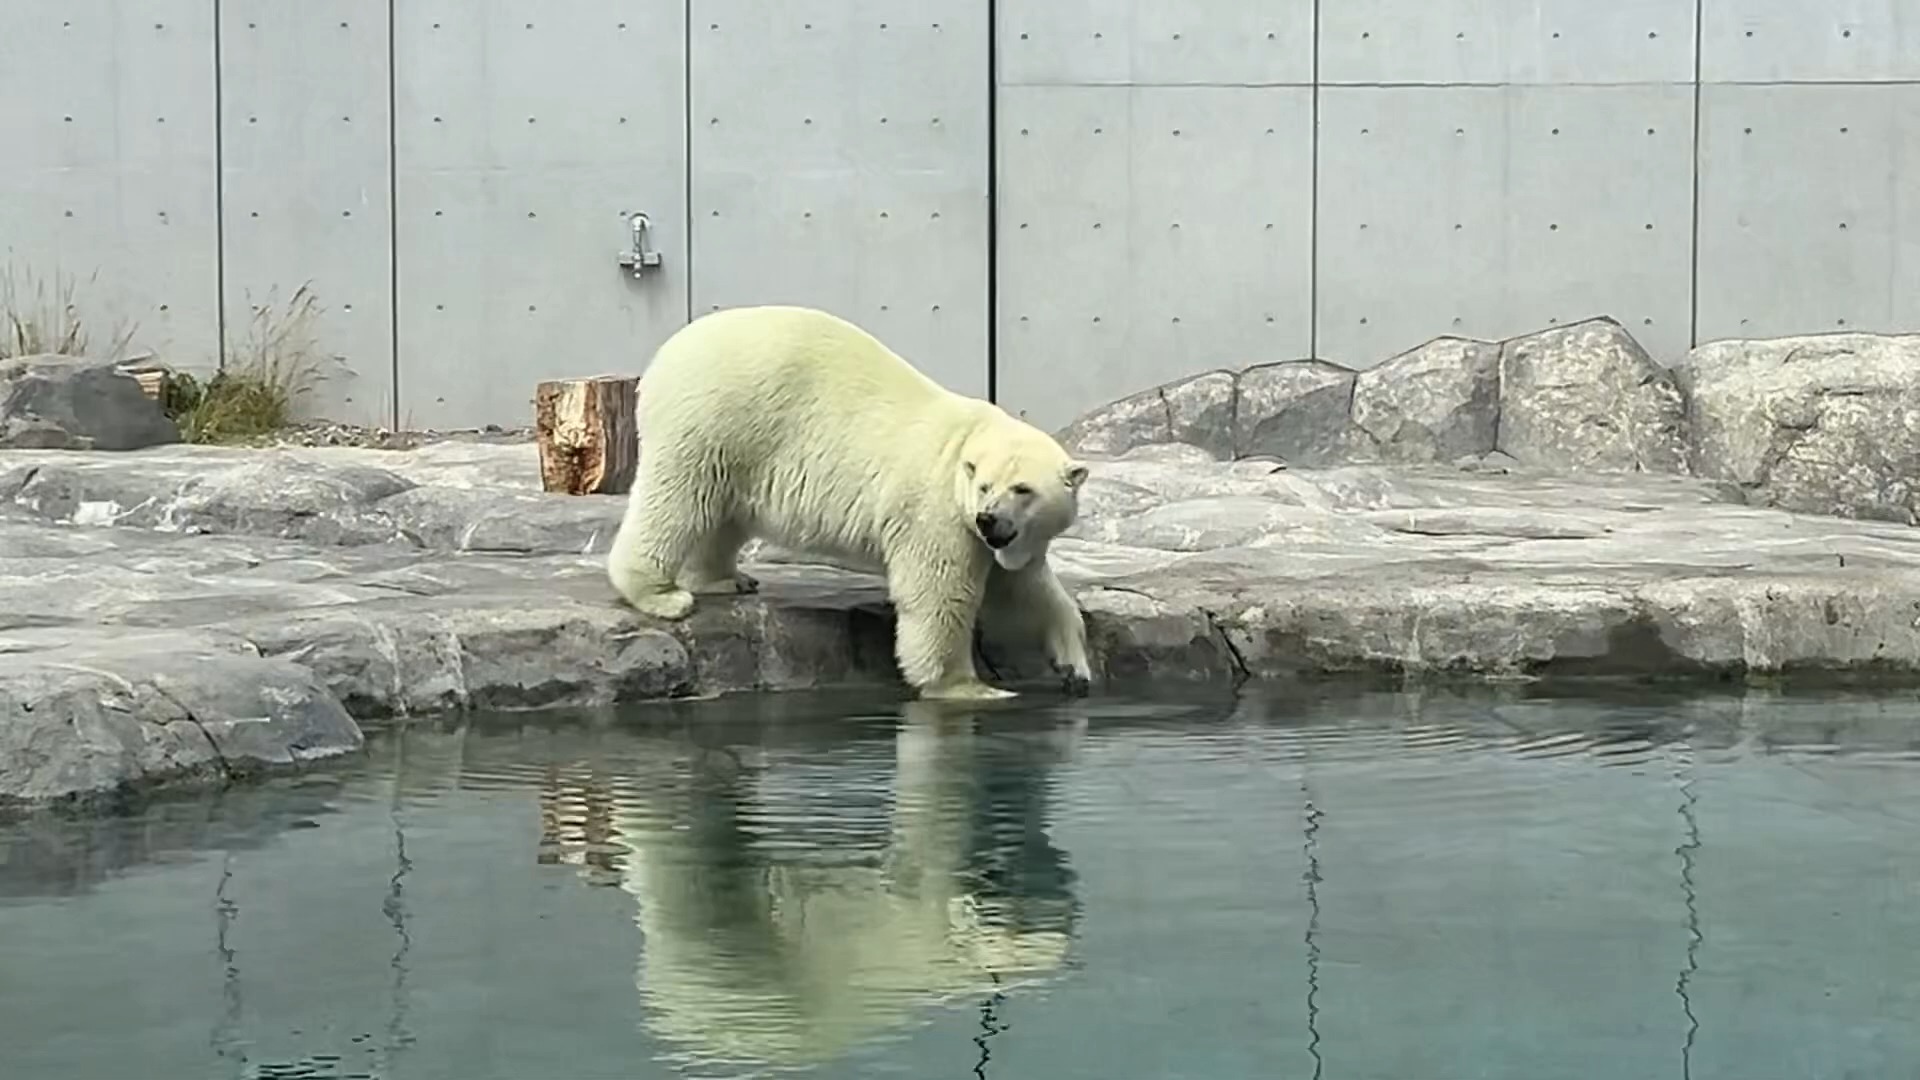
pixel 587 434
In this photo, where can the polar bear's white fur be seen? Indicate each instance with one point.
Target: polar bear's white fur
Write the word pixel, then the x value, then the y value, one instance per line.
pixel 795 426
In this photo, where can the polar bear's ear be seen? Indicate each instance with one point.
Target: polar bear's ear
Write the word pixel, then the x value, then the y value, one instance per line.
pixel 968 465
pixel 1076 474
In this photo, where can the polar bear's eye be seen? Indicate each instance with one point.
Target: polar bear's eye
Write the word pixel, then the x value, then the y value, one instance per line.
pixel 984 488
pixel 1022 489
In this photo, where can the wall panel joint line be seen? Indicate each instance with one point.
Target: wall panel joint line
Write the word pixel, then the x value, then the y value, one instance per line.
pixel 1313 201
pixel 393 207
pixel 993 200
pixel 219 197
pixel 1693 252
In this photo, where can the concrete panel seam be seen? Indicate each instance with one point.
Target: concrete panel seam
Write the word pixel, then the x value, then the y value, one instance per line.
pixel 1499 84
pixel 393 211
pixel 1863 83
pixel 1693 253
pixel 1313 201
pixel 219 198
pixel 1415 84
pixel 993 200
pixel 686 149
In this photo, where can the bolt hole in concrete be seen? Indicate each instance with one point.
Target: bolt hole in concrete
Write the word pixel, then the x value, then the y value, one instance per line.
pixel 1220 886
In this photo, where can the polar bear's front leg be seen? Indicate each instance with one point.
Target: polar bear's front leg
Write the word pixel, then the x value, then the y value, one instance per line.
pixel 1032 599
pixel 656 534
pixel 933 632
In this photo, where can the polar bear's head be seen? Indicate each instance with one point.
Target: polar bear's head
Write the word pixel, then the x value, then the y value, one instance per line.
pixel 1019 494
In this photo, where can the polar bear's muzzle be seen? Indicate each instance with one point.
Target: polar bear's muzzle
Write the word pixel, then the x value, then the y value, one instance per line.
pixel 997 531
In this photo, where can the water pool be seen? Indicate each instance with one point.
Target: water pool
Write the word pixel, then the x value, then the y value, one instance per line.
pixel 1329 883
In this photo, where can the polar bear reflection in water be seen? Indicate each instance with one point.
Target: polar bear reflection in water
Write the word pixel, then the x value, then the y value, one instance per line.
pixel 794 909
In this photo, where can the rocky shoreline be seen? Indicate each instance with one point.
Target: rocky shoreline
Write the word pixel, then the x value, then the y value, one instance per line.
pixel 180 615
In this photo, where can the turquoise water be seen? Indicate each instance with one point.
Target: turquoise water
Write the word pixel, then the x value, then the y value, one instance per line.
pixel 1322 884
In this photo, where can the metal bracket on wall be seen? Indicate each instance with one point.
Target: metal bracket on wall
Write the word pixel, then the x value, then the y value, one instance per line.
pixel 639 258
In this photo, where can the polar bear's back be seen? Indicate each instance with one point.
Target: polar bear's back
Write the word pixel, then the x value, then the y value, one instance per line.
pixel 758 363
pixel 815 429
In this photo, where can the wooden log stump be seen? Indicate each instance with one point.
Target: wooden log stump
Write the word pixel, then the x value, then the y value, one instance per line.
pixel 153 379
pixel 588 438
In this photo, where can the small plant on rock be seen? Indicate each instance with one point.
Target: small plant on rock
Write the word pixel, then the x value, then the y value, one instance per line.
pixel 267 369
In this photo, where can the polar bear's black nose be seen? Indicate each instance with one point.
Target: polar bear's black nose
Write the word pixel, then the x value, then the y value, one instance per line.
pixel 997 531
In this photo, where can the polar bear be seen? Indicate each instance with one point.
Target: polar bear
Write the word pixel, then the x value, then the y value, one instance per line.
pixel 793 425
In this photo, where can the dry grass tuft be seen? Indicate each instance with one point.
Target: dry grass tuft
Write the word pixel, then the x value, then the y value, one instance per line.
pixel 267 370
pixel 39 317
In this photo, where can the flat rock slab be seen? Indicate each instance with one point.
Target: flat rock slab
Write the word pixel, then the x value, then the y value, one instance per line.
pixel 188 615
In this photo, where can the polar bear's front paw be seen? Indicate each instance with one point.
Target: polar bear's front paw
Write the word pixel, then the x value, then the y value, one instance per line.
pixel 1076 681
pixel 672 605
pixel 972 690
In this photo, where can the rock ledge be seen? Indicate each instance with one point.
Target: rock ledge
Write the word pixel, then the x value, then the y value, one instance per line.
pixel 188 615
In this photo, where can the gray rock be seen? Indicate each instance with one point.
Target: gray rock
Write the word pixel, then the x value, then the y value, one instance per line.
pixel 1296 411
pixel 99 719
pixel 1172 453
pixel 1198 410
pixel 1205 524
pixel 73 403
pixel 1587 397
pixel 524 522
pixel 1583 397
pixel 285 497
pixel 375 630
pixel 1525 524
pixel 1174 480
pixel 64 488
pixel 1826 424
pixel 1437 403
pixel 1104 498
pixel 407 658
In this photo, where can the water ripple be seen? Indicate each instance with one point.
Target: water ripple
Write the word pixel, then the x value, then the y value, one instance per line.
pixel 1371 883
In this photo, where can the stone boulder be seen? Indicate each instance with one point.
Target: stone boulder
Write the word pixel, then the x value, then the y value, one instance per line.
pixel 1298 411
pixel 1198 411
pixel 1581 397
pixel 73 403
pixel 282 496
pixel 1823 424
pixel 1588 397
pixel 114 715
pixel 1437 403
pixel 447 518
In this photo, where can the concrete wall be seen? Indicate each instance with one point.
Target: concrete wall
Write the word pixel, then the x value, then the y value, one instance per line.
pixel 1188 184
pixel 454 180
pixel 1055 201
